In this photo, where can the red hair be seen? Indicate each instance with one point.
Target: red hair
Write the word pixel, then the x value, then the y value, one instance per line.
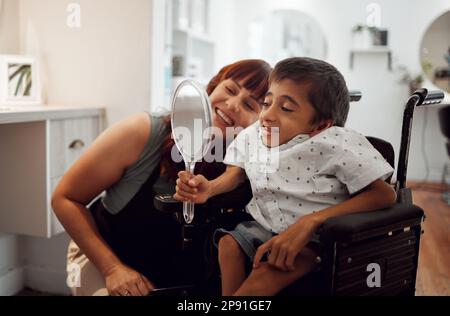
pixel 253 74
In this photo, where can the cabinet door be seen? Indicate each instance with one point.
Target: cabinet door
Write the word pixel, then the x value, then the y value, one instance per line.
pixel 68 140
pixel 23 179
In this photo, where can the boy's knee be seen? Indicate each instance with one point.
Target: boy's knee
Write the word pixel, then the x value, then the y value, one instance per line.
pixel 229 246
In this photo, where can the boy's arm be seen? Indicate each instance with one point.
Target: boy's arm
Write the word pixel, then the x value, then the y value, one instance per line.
pixel 285 247
pixel 198 189
pixel 377 195
pixel 228 181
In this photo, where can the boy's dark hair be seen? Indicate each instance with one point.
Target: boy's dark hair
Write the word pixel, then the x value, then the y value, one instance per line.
pixel 328 92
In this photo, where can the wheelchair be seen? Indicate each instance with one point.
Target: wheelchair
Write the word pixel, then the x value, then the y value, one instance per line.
pixel 350 244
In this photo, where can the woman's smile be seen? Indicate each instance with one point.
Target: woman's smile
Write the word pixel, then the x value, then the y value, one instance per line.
pixel 225 118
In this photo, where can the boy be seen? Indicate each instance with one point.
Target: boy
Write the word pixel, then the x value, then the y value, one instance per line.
pixel 320 166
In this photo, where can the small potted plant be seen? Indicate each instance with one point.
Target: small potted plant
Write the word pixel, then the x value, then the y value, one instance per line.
pixel 414 82
pixel 361 37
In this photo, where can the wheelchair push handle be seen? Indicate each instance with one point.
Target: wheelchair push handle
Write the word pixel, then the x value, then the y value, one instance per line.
pixel 355 95
pixel 429 97
pixel 421 97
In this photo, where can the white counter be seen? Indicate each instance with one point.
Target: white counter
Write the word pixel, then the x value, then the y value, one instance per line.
pixel 21 114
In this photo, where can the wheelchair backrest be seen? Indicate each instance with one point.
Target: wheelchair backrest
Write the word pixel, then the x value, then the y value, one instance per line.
pixel 385 149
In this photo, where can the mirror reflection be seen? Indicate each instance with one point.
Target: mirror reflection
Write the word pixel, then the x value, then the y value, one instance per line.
pixel 435 52
pixel 290 33
pixel 189 121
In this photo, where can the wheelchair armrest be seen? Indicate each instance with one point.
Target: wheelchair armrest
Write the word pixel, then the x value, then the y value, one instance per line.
pixel 236 199
pixel 361 226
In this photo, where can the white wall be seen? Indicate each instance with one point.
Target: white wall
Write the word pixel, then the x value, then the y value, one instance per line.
pixel 380 112
pixel 44 263
pixel 105 62
pixel 9 28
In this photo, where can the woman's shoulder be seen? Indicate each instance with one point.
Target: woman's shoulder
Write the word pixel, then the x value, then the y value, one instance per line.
pixel 150 129
pixel 144 126
pixel 128 137
pixel 137 126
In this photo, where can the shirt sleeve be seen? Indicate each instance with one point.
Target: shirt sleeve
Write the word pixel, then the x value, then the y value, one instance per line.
pixel 236 152
pixel 357 164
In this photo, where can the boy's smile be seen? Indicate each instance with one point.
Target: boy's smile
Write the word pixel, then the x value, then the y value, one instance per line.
pixel 287 112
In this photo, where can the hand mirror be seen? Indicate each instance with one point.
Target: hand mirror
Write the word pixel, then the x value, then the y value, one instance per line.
pixel 191 128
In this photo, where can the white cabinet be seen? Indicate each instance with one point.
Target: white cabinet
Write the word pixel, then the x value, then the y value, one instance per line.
pixel 192 44
pixel 34 155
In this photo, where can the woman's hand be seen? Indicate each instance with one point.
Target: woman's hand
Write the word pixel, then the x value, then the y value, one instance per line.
pixel 192 188
pixel 285 247
pixel 124 281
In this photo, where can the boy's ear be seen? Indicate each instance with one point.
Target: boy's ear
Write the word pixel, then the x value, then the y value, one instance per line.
pixel 323 125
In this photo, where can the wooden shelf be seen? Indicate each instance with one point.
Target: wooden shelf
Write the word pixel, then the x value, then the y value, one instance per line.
pixel 374 50
pixel 192 34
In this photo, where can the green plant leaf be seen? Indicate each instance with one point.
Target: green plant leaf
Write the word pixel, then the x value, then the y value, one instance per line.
pixel 24 72
pixel 358 28
pixel 19 83
pixel 29 83
pixel 18 71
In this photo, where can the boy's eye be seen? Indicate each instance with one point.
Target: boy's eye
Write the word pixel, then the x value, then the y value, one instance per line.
pixel 284 109
pixel 249 106
pixel 265 104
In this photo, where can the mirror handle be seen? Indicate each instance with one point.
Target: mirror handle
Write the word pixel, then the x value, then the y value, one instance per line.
pixel 188 207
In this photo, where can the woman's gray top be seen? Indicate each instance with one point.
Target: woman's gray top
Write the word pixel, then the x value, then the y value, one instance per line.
pixel 118 196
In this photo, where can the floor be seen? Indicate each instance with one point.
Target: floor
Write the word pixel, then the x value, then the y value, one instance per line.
pixel 30 292
pixel 433 277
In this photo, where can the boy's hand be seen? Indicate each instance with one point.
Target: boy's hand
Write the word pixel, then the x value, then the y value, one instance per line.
pixel 192 188
pixel 285 247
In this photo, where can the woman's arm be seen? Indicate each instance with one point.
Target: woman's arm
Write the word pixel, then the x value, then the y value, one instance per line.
pixel 102 165
pixel 285 247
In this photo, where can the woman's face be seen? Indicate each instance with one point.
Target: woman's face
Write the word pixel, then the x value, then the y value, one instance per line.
pixel 233 105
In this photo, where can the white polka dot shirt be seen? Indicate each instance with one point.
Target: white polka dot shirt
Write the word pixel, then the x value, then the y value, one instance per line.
pixel 304 175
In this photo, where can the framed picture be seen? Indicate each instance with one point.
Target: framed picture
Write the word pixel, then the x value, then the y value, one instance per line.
pixel 19 80
pixel 380 37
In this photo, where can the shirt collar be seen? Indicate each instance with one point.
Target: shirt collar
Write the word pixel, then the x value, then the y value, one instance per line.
pixel 300 138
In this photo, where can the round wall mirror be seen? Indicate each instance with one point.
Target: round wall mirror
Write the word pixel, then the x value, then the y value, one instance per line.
pixel 435 52
pixel 286 33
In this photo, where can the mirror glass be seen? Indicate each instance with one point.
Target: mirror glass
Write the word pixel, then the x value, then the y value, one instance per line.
pixel 435 52
pixel 286 33
pixel 191 128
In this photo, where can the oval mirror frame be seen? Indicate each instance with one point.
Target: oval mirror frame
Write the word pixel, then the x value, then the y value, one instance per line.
pixel 206 132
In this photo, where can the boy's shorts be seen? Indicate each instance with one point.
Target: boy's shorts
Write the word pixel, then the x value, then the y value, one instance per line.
pixel 250 235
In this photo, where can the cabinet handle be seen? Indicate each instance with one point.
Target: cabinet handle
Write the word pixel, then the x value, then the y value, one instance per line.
pixel 78 143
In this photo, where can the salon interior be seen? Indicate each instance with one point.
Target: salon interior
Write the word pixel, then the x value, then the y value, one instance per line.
pixel 71 69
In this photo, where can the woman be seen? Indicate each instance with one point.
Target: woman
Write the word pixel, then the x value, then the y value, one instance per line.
pixel 121 243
